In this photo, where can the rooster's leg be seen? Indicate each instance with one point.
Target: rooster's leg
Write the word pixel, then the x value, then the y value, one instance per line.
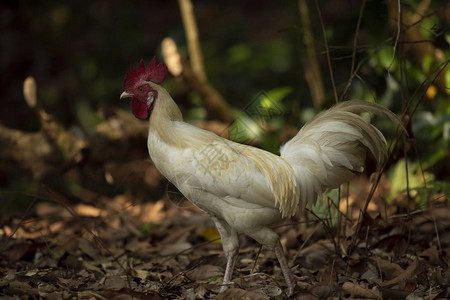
pixel 231 260
pixel 230 244
pixel 270 239
pixel 287 273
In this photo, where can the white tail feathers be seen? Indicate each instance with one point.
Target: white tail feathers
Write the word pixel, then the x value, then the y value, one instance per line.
pixel 331 148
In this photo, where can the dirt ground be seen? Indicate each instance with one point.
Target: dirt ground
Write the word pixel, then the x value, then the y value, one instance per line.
pixel 118 249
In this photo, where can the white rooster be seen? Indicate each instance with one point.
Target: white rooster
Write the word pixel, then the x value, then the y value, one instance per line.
pixel 246 189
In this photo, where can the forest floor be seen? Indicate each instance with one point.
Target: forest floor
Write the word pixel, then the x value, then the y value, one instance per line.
pixel 117 249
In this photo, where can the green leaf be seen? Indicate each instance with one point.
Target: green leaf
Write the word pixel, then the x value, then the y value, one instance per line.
pixel 278 94
pixel 385 56
pixel 400 179
pixel 427 62
pixel 214 278
pixel 239 53
pixel 146 228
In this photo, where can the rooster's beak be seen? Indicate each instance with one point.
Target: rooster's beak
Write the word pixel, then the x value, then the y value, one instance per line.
pixel 125 95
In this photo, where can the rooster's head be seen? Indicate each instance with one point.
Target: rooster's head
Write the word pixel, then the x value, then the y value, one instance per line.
pixel 136 85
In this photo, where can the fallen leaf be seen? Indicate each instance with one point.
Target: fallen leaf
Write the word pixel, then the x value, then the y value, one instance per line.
pixel 361 291
pixel 371 274
pixel 237 293
pixel 4 283
pixel 323 291
pixel 68 283
pixel 211 234
pixel 45 289
pixel 413 269
pixel 272 290
pixel 31 272
pixel 389 269
pixel 91 267
pixel 204 272
pixel 393 293
pixel 88 249
pixel 432 256
pixel 18 250
pixel 175 249
pixel 115 283
pixel 87 210
pixel 414 296
pixel 19 285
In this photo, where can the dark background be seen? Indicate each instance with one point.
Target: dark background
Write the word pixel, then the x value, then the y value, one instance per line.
pixel 79 51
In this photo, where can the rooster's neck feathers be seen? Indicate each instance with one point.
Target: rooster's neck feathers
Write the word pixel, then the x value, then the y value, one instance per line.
pixel 166 121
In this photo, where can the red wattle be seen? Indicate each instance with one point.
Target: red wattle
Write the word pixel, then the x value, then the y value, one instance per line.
pixel 139 109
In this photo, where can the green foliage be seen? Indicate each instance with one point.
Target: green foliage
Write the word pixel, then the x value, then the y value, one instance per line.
pixel 435 190
pixel 87 117
pixel 421 185
pixel 326 208
pixel 266 109
pixel 433 129
pixel 79 64
pixel 214 278
pixel 19 194
pixel 244 128
pixel 407 176
pixel 148 227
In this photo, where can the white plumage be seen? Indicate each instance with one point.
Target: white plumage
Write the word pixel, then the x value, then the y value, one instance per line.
pixel 331 149
pixel 245 189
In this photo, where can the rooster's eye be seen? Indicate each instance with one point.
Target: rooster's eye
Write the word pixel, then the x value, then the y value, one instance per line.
pixel 140 89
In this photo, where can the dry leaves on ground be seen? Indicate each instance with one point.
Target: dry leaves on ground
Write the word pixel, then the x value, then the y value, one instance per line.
pixel 116 249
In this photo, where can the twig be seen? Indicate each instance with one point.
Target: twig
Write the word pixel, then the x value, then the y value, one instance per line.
pixel 339 223
pixel 190 27
pixel 189 249
pixel 312 72
pixel 22 219
pixel 347 205
pixel 437 233
pixel 408 32
pixel 327 228
pixel 424 86
pixel 304 243
pixel 332 270
pixel 339 212
pixel 421 9
pixel 355 40
pixel 363 212
pixel 181 274
pixel 256 259
pixel 330 67
pixel 397 36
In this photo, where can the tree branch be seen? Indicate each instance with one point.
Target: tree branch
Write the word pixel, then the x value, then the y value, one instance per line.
pixel 327 50
pixel 53 149
pixel 190 27
pixel 47 152
pixel 216 106
pixel 312 72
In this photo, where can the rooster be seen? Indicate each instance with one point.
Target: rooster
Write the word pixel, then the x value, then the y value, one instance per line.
pixel 243 188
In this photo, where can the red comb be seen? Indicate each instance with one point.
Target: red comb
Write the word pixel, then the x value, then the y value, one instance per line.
pixel 154 73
